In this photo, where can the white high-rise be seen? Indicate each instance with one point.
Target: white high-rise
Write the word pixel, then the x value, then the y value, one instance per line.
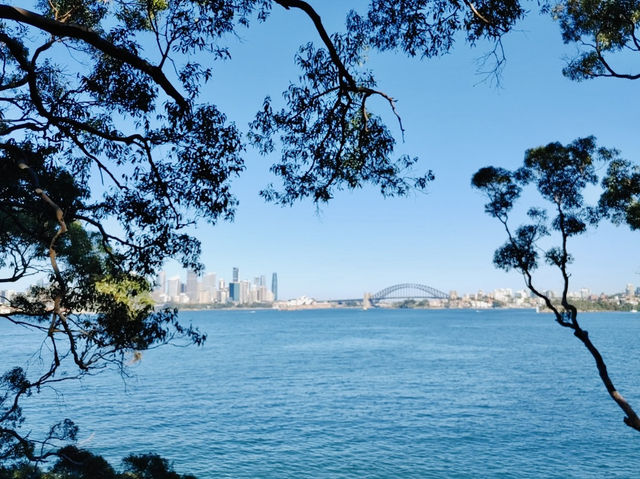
pixel 173 289
pixel 208 289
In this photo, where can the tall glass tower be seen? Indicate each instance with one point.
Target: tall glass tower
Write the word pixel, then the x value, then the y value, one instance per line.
pixel 274 286
pixel 235 275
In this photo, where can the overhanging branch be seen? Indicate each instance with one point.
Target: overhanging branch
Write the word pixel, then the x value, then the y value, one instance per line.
pixel 79 32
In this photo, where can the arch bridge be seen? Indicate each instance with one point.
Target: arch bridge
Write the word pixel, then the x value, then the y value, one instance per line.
pixel 406 291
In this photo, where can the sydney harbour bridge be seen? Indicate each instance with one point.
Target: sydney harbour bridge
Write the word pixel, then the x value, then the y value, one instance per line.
pixel 398 292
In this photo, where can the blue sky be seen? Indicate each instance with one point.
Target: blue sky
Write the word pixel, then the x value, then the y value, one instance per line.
pixel 456 124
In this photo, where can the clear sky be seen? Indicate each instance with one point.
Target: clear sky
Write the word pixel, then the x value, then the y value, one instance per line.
pixel 456 124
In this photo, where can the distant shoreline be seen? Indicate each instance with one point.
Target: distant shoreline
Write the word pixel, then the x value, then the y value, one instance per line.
pixel 325 306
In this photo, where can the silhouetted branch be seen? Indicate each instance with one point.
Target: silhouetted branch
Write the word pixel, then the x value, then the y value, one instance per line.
pixel 88 36
pixel 349 83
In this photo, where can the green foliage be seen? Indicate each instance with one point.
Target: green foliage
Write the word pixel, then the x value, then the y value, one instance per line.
pixel 602 29
pixel 621 197
pixel 87 13
pixel 600 304
pixel 503 189
pixel 150 466
pixel 429 27
pixel 560 174
pixel 328 139
pixel 74 463
pixel 520 251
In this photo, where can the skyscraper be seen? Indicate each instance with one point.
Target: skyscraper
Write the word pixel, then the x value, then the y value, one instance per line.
pixel 234 291
pixel 160 288
pixel 235 275
pixel 208 288
pixel 173 288
pixel 161 282
pixel 192 286
pixel 274 286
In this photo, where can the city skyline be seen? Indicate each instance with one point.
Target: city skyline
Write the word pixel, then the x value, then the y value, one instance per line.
pixel 207 288
pixel 173 287
pixel 582 292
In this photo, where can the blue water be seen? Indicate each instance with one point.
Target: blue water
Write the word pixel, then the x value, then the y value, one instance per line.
pixel 366 394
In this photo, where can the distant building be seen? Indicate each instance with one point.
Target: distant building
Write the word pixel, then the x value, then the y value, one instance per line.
pixel 235 275
pixel 174 287
pixel 503 294
pixel 630 290
pixel 274 286
pixel 160 288
pixel 223 296
pixel 161 282
pixel 245 289
pixel 208 288
pixel 191 289
pixel 234 291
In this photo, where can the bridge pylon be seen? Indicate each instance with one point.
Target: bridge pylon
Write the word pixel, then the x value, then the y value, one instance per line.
pixel 366 301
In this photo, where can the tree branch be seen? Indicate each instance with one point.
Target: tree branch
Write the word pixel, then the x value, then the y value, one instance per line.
pixel 317 21
pixel 78 32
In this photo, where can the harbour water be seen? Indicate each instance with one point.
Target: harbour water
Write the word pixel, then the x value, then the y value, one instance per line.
pixel 365 394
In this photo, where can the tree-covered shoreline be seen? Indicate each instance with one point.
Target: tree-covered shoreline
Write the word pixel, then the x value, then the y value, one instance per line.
pixel 74 463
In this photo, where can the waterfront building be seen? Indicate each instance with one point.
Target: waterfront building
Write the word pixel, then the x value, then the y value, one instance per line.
pixel 503 294
pixel 630 290
pixel 235 275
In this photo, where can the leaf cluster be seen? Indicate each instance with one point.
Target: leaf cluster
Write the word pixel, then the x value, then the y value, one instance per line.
pixel 74 463
pixel 621 196
pixel 560 174
pixel 429 28
pixel 602 29
pixel 328 138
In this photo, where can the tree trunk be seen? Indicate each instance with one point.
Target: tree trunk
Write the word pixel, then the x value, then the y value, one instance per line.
pixel 632 420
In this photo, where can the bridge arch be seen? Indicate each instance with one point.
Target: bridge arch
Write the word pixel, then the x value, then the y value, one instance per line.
pixel 407 291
